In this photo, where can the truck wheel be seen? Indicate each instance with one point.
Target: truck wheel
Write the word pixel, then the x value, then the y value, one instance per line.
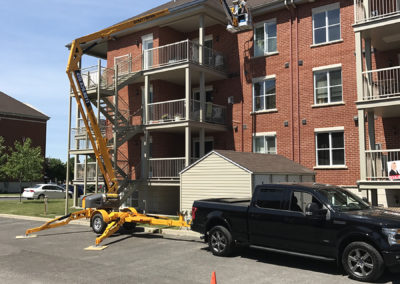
pixel 220 241
pixel 362 262
pixel 98 224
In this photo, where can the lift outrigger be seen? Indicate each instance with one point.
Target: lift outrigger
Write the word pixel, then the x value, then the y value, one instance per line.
pixel 104 210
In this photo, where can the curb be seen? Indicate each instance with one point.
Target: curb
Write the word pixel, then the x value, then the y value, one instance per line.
pixel 183 233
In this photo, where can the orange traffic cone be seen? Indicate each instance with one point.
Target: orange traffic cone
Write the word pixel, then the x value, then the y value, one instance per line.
pixel 213 278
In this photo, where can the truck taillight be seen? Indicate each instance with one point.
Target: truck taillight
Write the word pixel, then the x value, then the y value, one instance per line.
pixel 194 209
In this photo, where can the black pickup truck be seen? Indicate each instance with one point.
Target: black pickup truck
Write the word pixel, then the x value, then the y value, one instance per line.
pixel 320 221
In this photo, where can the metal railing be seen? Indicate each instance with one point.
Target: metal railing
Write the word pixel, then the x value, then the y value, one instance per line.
pixel 90 77
pixel 183 51
pixel 165 167
pixel 175 110
pixel 367 10
pixel 381 83
pixel 90 171
pixel 167 111
pixel 379 162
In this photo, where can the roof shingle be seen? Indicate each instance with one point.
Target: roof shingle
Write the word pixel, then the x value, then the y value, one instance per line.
pixel 12 107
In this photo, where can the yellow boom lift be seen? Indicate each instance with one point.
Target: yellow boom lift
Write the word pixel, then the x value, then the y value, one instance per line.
pixel 103 210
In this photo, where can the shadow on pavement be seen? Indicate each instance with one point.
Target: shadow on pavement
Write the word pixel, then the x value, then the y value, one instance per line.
pixel 304 263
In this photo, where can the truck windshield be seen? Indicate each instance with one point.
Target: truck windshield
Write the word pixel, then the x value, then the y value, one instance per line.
pixel 342 200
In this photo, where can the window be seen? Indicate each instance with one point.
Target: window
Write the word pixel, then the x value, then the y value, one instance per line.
pixel 265 38
pixel 328 86
pixel 264 144
pixel 299 201
pixel 326 23
pixel 264 95
pixel 330 148
pixel 270 198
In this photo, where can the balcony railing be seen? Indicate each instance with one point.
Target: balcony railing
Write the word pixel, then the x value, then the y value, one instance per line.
pixel 379 163
pixel 175 110
pixel 381 83
pixel 165 168
pixel 90 171
pixel 90 76
pixel 168 111
pixel 367 10
pixel 183 51
pixel 213 113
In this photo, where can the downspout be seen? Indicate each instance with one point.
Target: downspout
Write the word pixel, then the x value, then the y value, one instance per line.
pixel 298 81
pixel 291 79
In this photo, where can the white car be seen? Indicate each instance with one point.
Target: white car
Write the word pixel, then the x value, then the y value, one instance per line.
pixel 39 191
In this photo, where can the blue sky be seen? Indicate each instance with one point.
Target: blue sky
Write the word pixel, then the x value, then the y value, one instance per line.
pixel 33 56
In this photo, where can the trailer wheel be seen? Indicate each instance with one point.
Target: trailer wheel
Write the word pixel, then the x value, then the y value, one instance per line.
pixel 220 241
pixel 98 224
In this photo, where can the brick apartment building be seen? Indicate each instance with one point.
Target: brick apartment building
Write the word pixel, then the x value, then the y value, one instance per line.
pixel 19 121
pixel 181 85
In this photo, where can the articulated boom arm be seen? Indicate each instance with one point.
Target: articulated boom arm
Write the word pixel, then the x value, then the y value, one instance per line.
pixel 228 13
pixel 73 71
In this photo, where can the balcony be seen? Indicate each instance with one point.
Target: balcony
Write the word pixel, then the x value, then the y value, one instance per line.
pixel 90 76
pixel 175 111
pixel 370 10
pixel 165 168
pixel 381 83
pixel 182 52
pixel 378 164
pixel 90 171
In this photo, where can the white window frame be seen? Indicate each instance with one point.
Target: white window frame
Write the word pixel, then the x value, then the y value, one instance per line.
pixel 264 24
pixel 264 135
pixel 330 131
pixel 325 9
pixel 263 79
pixel 327 69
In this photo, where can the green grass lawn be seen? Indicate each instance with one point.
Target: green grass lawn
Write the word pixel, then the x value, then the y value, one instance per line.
pixel 55 207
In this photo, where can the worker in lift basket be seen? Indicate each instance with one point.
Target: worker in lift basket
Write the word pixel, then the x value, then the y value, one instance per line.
pixel 243 11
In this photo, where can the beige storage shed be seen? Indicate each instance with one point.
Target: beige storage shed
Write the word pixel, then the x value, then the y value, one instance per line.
pixel 223 173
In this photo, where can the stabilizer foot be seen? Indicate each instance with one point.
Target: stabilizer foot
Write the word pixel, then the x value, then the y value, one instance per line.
pixel 26 236
pixel 96 247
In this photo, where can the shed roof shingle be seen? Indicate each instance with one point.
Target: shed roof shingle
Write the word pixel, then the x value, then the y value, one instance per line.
pixel 264 163
pixel 12 107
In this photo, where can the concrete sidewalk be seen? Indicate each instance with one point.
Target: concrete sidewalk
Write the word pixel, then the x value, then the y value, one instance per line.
pixel 168 233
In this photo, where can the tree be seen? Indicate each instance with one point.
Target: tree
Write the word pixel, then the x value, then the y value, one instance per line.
pixel 25 163
pixel 3 159
pixel 55 169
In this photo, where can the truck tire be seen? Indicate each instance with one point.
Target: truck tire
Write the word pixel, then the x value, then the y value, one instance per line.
pixel 220 241
pixel 98 224
pixel 362 262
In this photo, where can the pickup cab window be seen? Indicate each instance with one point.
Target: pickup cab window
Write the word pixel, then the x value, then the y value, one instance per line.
pixel 271 198
pixel 342 200
pixel 300 199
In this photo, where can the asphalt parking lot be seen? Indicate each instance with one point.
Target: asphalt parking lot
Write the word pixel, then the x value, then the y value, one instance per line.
pixel 58 256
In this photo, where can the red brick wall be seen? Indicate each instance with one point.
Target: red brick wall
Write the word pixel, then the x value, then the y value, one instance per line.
pixel 18 129
pixel 294 90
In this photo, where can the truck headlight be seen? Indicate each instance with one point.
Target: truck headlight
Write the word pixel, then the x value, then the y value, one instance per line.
pixel 393 235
